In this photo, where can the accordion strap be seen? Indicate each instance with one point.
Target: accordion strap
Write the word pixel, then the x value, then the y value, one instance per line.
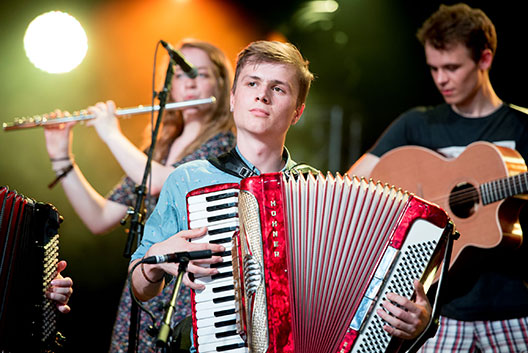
pixel 231 163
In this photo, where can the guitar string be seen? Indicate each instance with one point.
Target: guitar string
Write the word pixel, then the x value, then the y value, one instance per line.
pixel 462 196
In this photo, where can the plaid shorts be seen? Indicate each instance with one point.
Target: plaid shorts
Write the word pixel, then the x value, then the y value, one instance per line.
pixel 479 336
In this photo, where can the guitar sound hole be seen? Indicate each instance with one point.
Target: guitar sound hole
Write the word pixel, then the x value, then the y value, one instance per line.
pixel 463 200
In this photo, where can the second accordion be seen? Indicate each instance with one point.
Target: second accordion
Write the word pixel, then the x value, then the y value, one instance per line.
pixel 29 250
pixel 309 260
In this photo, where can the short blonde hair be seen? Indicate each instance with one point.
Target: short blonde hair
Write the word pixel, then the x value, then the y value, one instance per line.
pixel 276 52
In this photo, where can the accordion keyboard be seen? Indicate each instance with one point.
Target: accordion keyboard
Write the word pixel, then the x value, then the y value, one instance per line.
pixel 214 318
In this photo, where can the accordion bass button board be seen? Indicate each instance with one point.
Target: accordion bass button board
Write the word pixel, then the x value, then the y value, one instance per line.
pixel 29 243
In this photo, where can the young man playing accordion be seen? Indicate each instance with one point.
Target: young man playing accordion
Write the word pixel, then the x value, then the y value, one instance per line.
pixel 270 87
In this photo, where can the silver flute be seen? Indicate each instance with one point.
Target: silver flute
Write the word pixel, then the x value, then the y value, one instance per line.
pixel 44 120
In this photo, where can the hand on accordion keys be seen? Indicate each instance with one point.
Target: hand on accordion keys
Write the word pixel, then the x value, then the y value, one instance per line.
pixel 407 318
pixel 153 273
pixel 61 289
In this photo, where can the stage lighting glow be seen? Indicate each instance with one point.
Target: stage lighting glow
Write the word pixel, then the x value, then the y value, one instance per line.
pixel 316 11
pixel 328 6
pixel 55 42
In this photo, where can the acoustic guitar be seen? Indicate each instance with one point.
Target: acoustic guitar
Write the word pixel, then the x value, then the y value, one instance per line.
pixel 480 190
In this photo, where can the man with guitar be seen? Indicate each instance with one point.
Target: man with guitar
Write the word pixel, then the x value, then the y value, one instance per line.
pixel 485 304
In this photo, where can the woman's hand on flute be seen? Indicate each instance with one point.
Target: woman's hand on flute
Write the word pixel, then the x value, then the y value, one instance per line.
pixel 105 123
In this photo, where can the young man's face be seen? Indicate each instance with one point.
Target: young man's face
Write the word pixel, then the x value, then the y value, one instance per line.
pixel 264 103
pixel 456 75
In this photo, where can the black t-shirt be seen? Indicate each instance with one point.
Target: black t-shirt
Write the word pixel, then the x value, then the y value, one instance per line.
pixel 483 284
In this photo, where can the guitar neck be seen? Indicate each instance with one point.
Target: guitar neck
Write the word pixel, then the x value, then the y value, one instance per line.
pixel 500 189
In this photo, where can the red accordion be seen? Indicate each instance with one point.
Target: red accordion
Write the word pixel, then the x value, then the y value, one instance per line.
pixel 312 261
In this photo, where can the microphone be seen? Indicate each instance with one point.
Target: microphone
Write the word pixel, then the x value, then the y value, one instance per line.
pixel 178 257
pixel 180 60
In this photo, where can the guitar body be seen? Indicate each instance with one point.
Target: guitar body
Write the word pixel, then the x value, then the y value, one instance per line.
pixel 443 181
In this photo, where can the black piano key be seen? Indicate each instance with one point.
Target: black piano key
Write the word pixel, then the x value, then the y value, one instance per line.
pixel 222 254
pixel 221 217
pixel 224 312
pixel 223 288
pixel 222 275
pixel 222 230
pixel 220 241
pixel 224 299
pixel 221 264
pixel 221 196
pixel 225 323
pixel 221 207
pixel 230 347
pixel 226 334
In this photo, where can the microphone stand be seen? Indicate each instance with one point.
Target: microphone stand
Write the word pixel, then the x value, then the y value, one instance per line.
pixel 138 217
pixel 165 327
pixel 138 214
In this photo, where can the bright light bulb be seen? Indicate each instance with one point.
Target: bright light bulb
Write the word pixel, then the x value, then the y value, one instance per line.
pixel 55 42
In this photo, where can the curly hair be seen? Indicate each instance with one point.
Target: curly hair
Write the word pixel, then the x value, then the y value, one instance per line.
pixel 459 23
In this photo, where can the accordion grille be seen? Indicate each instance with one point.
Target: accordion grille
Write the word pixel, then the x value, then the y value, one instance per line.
pixel 408 266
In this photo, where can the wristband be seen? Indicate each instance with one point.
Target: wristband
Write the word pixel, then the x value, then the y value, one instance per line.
pixel 148 279
pixel 61 174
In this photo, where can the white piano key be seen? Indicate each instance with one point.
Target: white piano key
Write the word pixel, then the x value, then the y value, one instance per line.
pixel 213 227
pixel 238 350
pixel 223 269
pixel 202 198
pixel 217 312
pixel 211 284
pixel 228 196
pixel 225 259
pixel 208 281
pixel 221 278
pixel 212 347
pixel 211 330
pixel 209 238
pixel 199 223
pixel 204 214
pixel 211 321
pixel 212 304
pixel 210 295
pixel 213 337
pixel 202 206
pixel 226 262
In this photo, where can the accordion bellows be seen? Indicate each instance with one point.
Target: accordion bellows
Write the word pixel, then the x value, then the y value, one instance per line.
pixel 315 257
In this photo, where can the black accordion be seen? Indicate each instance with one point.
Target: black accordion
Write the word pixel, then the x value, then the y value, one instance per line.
pixel 28 263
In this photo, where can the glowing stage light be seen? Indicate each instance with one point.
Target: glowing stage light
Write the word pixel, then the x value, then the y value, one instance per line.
pixel 55 42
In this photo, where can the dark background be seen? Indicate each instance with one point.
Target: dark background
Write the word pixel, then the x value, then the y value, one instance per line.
pixel 369 69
